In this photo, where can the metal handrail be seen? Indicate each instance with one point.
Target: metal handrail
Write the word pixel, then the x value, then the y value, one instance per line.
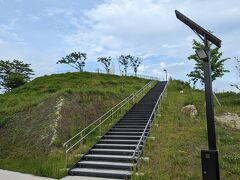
pixel 145 77
pixel 145 129
pixel 104 114
pixel 78 138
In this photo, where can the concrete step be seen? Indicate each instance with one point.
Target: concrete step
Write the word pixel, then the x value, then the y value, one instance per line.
pixel 129 126
pixel 132 123
pixel 135 118
pixel 128 137
pixel 106 165
pixel 118 141
pixel 124 133
pixel 122 174
pixel 111 158
pixel 116 146
pixel 113 151
pixel 127 129
pixel 139 106
pixel 138 113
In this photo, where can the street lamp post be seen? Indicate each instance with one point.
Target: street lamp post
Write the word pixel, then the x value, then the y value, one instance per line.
pixel 166 73
pixel 210 165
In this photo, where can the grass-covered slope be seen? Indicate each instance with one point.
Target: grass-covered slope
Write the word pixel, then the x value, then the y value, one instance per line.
pixel 38 117
pixel 175 153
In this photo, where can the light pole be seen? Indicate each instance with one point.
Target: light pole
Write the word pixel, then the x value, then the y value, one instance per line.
pixel 166 73
pixel 210 165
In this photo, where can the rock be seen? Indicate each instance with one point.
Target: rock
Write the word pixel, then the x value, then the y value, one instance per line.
pixel 229 119
pixel 190 110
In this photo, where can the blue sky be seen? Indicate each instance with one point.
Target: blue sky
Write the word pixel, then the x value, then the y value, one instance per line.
pixel 41 32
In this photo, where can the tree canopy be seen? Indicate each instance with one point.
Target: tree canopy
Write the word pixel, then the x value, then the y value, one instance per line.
pixel 125 61
pixel 217 63
pixel 135 63
pixel 237 85
pixel 14 74
pixel 75 60
pixel 106 61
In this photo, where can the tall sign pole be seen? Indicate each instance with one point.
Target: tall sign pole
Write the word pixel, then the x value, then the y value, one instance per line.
pixel 210 165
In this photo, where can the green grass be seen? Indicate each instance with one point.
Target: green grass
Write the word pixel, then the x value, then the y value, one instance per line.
pixel 27 117
pixel 30 114
pixel 230 102
pixel 44 87
pixel 175 153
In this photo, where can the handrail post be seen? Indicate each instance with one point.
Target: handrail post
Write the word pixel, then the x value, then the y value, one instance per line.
pixel 66 155
pixel 121 110
pixel 100 129
pixel 112 115
pixel 81 144
pixel 159 106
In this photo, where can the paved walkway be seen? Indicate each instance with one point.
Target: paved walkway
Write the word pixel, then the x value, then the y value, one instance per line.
pixel 11 175
pixel 84 178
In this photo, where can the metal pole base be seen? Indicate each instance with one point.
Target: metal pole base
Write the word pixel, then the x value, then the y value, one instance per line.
pixel 210 167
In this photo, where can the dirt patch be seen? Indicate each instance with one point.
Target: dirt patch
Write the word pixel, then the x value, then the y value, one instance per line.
pixel 229 119
pixel 45 127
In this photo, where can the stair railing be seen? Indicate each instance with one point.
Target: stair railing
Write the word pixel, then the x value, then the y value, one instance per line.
pixel 118 110
pixel 154 78
pixel 137 152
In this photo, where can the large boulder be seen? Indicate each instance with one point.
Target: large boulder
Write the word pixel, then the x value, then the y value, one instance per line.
pixel 229 119
pixel 190 110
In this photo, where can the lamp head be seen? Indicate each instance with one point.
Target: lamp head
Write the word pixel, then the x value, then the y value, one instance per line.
pixel 201 53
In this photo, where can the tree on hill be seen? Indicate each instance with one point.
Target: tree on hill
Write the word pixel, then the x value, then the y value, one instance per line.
pixel 238 72
pixel 14 74
pixel 135 63
pixel 75 60
pixel 125 60
pixel 106 61
pixel 217 63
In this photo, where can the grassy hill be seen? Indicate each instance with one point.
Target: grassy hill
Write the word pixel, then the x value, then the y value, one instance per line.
pixel 36 118
pixel 175 153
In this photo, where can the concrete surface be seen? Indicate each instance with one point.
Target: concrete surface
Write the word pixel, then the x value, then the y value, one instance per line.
pixel 11 175
pixel 84 178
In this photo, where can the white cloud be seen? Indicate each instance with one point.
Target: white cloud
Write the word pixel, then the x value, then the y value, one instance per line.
pixel 8 32
pixel 145 26
pixel 57 11
pixel 127 27
pixel 33 18
pixel 149 28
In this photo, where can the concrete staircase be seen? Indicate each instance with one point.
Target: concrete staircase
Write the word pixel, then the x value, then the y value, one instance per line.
pixel 112 155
